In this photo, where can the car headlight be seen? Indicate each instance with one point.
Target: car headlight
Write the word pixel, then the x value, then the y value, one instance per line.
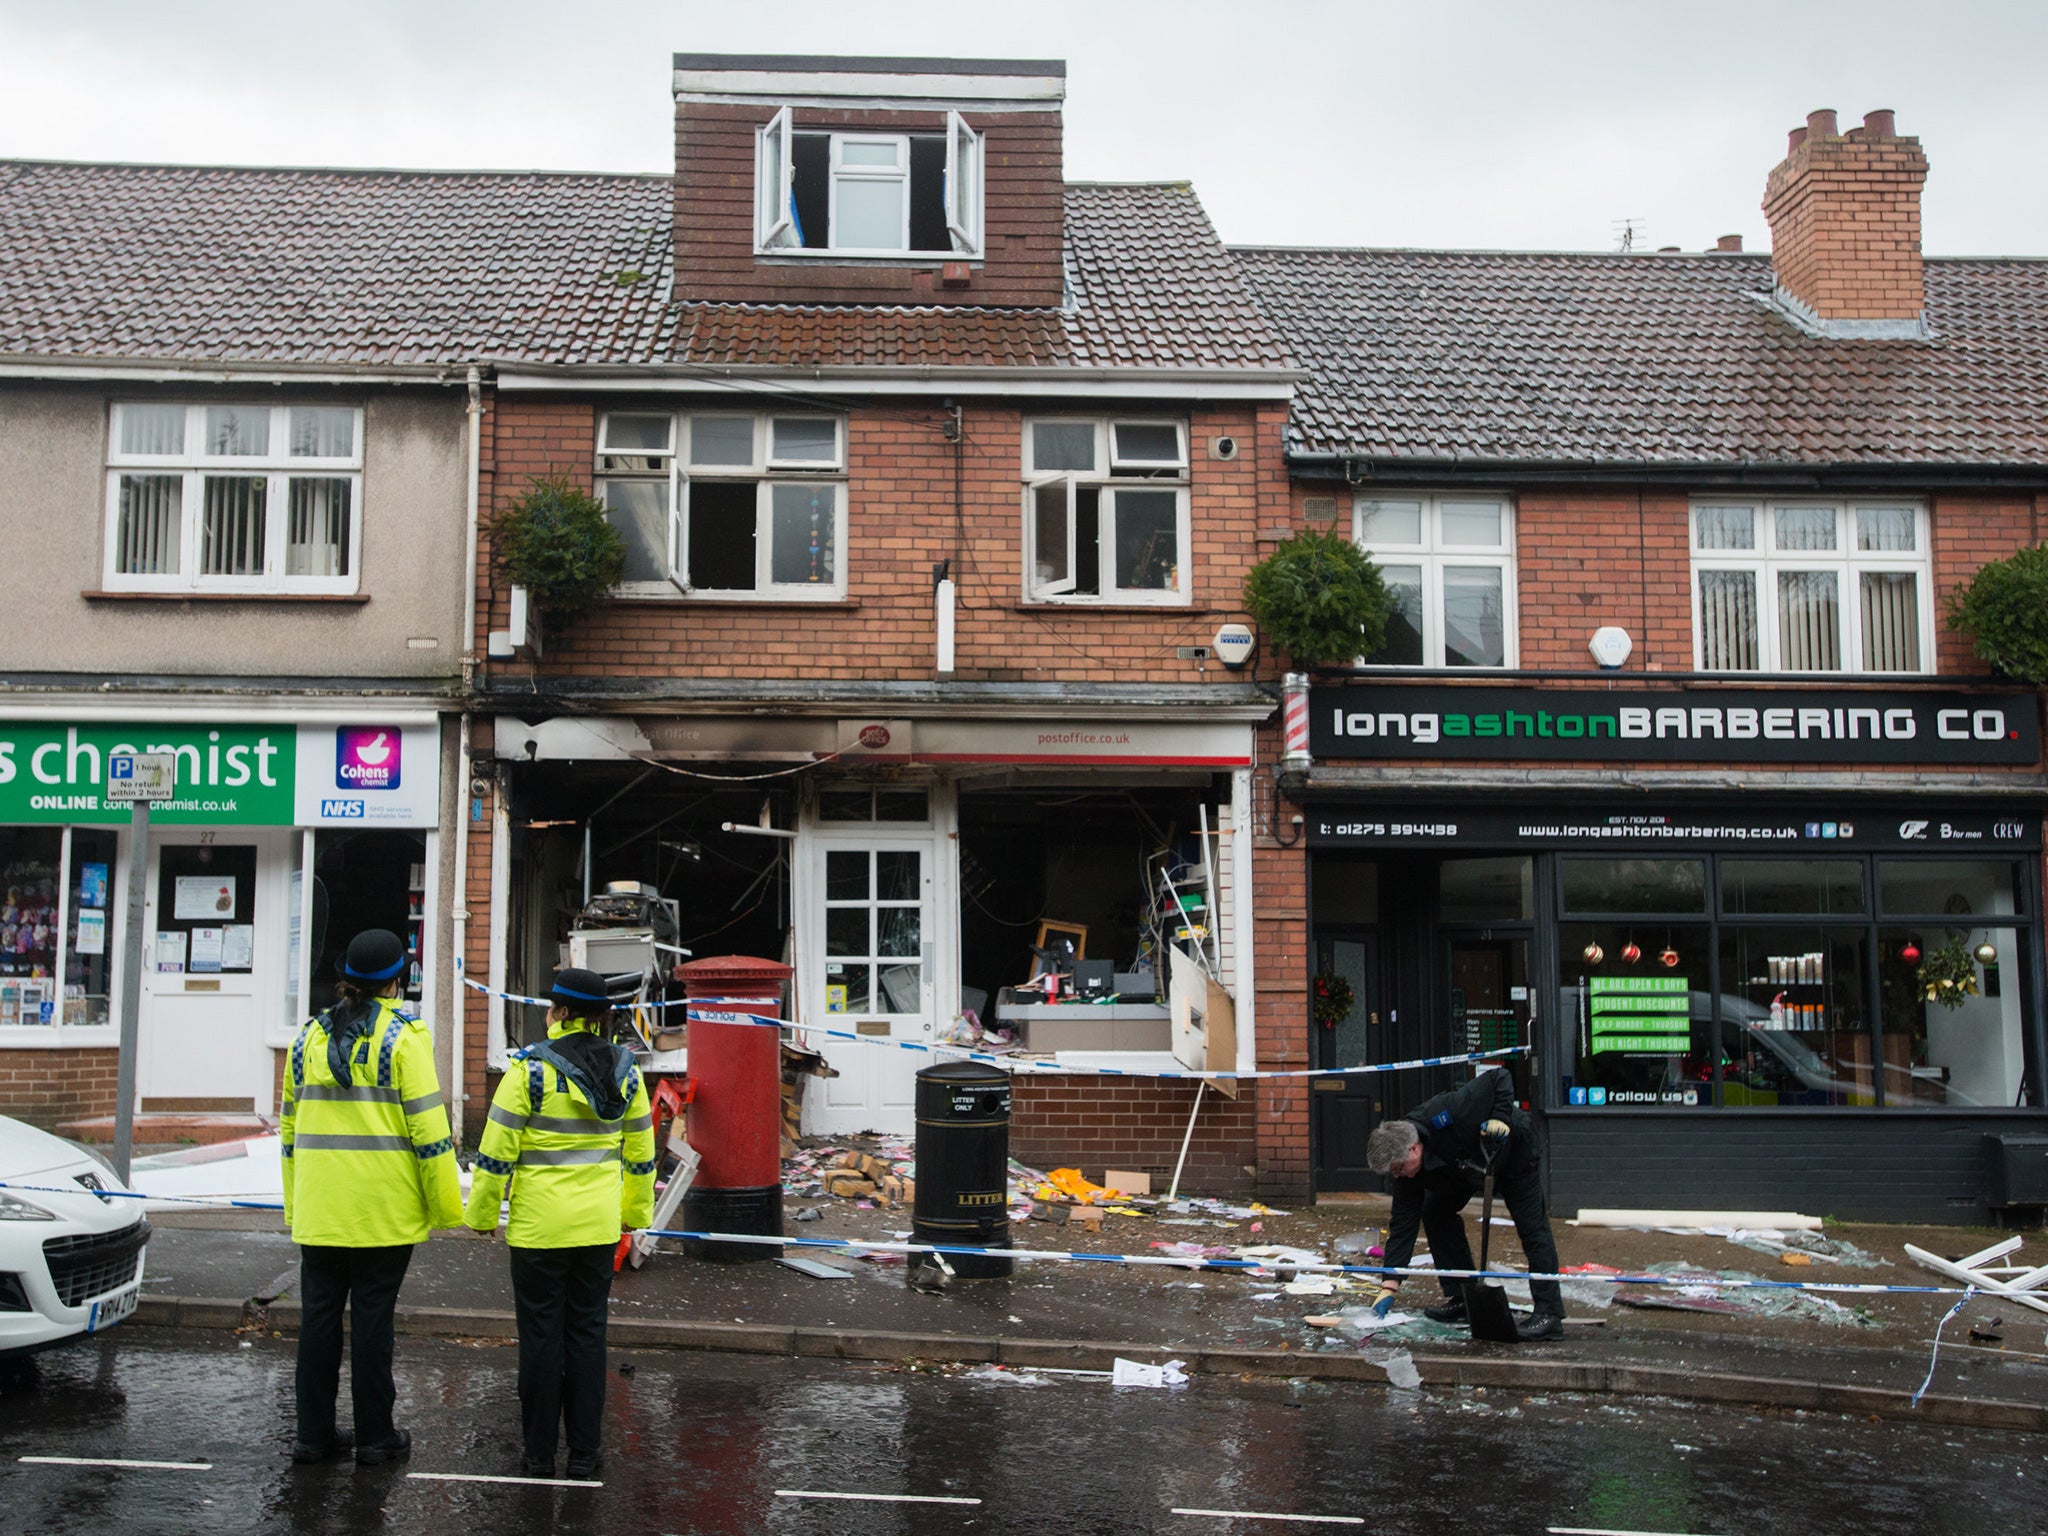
pixel 13 1209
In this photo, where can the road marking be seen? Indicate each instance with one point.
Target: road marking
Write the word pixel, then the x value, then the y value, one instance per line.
pixel 873 1498
pixel 485 1477
pixel 1595 1530
pixel 113 1461
pixel 1252 1514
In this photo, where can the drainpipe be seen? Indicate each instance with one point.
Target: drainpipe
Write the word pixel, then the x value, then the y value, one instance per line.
pixel 458 1090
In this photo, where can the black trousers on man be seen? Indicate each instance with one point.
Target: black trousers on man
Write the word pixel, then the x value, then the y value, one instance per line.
pixel 1519 1183
pixel 561 1296
pixel 364 1283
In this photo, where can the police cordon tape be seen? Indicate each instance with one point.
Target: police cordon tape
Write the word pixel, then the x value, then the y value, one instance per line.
pixel 709 1009
pixel 855 1247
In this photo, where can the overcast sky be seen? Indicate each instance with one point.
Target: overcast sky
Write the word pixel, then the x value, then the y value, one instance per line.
pixel 1422 123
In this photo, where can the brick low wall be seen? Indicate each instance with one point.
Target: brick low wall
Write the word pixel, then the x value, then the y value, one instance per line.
pixel 1093 1124
pixel 46 1086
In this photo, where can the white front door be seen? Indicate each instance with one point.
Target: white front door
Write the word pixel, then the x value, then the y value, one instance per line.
pixel 872 964
pixel 213 961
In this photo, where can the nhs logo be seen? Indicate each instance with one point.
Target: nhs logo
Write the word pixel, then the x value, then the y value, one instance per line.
pixel 344 809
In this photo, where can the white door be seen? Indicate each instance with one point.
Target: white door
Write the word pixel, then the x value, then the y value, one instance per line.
pixel 872 970
pixel 213 961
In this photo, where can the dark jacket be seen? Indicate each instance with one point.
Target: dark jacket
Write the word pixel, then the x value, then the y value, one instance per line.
pixel 1453 1159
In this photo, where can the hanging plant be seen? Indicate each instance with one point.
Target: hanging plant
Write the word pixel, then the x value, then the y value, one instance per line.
pixel 1948 975
pixel 1329 999
pixel 2004 609
pixel 556 542
pixel 1320 598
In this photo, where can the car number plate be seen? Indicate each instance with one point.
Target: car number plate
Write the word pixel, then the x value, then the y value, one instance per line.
pixel 109 1310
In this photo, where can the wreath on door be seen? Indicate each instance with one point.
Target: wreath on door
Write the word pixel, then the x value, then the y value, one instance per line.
pixel 1329 999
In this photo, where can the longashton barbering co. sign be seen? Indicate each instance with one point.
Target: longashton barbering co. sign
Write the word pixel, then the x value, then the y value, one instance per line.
pixel 1368 722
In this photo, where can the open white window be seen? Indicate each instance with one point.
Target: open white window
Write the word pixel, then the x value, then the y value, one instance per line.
pixel 775 201
pixel 843 193
pixel 757 506
pixel 1106 511
pixel 232 497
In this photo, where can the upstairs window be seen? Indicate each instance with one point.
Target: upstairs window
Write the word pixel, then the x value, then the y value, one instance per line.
pixel 867 194
pixel 234 498
pixel 721 504
pixel 1449 565
pixel 1810 587
pixel 1106 511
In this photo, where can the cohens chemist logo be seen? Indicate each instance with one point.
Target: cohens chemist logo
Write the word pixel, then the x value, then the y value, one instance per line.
pixel 367 757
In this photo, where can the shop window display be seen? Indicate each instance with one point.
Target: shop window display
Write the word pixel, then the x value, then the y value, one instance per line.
pixel 28 924
pixel 1794 1017
pixel 1639 1009
pixel 88 958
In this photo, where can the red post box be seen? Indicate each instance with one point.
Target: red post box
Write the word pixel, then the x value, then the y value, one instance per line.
pixel 735 1122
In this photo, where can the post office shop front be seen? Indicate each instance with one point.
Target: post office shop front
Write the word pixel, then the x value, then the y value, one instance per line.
pixel 283 837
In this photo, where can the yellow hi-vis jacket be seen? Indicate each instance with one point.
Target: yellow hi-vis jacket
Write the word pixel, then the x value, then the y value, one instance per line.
pixel 577 1179
pixel 369 1164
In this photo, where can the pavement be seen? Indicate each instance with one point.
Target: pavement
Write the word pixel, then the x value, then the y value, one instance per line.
pixel 1856 1354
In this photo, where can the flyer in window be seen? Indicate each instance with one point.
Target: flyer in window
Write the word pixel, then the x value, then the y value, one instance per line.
pixel 238 947
pixel 206 948
pixel 92 885
pixel 92 931
pixel 170 950
pixel 203 898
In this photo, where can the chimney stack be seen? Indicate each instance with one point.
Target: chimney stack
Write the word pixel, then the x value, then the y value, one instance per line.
pixel 1844 211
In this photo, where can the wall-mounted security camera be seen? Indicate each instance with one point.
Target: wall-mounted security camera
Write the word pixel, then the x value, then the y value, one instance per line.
pixel 1224 448
pixel 1234 645
pixel 479 786
pixel 1610 645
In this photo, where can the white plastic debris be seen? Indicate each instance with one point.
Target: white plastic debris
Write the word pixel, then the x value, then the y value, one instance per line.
pixel 1136 1373
pixel 1401 1372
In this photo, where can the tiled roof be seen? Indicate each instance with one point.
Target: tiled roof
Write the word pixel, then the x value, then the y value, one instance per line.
pixel 1676 359
pixel 396 268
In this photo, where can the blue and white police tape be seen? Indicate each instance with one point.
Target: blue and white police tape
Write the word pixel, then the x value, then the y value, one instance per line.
pixel 855 1247
pixel 709 1009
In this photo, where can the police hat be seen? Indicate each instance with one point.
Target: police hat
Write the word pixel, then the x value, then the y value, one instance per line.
pixel 576 985
pixel 375 954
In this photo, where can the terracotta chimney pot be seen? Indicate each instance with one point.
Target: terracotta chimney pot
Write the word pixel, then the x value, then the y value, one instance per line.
pixel 1821 124
pixel 1880 124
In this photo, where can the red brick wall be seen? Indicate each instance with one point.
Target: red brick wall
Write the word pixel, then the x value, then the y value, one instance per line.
pixel 901 520
pixel 1094 1123
pixel 46 1086
pixel 1845 224
pixel 1280 945
pixel 1024 214
pixel 1969 532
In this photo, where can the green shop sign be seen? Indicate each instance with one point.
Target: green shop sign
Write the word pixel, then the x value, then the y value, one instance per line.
pixel 235 774
pixel 1641 1014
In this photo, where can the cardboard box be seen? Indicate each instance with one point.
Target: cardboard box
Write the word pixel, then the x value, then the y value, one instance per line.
pixel 1127 1183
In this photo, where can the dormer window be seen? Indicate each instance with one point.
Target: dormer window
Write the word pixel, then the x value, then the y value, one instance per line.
pixel 867 194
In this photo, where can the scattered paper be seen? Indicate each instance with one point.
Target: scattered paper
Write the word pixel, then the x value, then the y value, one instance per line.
pixel 1401 1372
pixel 1136 1373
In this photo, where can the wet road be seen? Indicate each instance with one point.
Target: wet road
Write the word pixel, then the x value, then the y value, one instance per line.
pixel 715 1444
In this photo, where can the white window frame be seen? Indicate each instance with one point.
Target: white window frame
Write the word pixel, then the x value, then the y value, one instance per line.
pixel 775 227
pixel 1433 554
pixel 277 467
pixel 1149 476
pixel 1844 560
pixel 765 470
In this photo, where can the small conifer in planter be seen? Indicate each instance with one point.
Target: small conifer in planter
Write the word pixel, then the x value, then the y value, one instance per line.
pixel 2004 609
pixel 556 542
pixel 1320 598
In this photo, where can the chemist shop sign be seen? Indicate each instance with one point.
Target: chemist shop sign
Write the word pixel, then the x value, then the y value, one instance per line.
pixel 290 774
pixel 1366 722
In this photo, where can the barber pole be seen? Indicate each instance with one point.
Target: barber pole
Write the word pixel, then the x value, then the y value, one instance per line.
pixel 1294 715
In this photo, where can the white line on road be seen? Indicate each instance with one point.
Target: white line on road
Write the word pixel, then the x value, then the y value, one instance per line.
pixel 872 1498
pixel 484 1477
pixel 112 1461
pixel 1595 1530
pixel 1251 1514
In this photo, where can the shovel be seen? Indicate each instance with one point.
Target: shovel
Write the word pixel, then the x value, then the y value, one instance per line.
pixel 1486 1304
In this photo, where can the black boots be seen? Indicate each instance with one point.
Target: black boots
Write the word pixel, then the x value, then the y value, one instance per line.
pixel 1540 1326
pixel 1450 1310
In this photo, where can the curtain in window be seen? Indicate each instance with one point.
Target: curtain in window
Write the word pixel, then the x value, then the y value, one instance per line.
pixel 317 530
pixel 1728 621
pixel 147 534
pixel 1726 527
pixel 1809 623
pixel 153 429
pixel 1891 621
pixel 231 534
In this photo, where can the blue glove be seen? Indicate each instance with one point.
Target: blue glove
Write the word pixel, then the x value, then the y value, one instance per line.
pixel 1385 1304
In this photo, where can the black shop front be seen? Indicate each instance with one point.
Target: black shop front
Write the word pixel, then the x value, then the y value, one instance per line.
pixel 1826 999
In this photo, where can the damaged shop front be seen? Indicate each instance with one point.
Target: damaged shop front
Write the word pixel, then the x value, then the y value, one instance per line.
pixel 1027 887
pixel 1749 989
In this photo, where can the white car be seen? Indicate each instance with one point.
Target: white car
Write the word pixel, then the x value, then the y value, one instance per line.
pixel 71 1255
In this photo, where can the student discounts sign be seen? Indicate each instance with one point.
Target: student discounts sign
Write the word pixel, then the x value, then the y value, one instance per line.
pixel 289 774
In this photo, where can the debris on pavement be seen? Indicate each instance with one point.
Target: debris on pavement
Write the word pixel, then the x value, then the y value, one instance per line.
pixel 1136 1373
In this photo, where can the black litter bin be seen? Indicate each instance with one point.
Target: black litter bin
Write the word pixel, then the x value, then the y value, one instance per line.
pixel 963 1164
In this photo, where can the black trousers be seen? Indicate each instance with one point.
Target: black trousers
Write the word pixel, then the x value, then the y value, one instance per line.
pixel 561 1296
pixel 1519 1183
pixel 363 1282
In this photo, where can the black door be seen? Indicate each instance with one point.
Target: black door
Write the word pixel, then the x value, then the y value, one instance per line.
pixel 1345 1109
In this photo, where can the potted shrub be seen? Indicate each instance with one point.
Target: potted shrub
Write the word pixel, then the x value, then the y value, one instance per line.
pixel 556 542
pixel 1320 597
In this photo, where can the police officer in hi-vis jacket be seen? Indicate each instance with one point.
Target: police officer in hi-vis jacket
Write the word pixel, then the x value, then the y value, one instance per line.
pixel 571 1131
pixel 368 1168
